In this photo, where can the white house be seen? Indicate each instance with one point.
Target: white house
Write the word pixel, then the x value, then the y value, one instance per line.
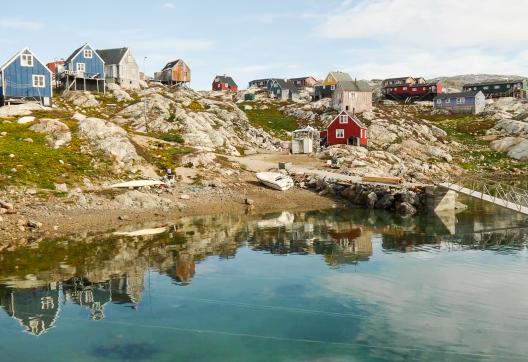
pixel 120 67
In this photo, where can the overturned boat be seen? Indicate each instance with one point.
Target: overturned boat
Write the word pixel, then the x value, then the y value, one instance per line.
pixel 275 180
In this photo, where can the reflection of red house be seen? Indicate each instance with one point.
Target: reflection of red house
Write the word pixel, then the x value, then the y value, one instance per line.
pixel 345 129
pixel 223 83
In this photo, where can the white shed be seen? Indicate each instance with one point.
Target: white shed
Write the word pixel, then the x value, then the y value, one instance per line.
pixel 305 140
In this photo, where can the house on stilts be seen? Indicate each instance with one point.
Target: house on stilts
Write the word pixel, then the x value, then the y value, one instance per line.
pixel 84 70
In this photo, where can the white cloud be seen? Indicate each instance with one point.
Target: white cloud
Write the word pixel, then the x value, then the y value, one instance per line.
pixel 431 23
pixel 168 6
pixel 19 24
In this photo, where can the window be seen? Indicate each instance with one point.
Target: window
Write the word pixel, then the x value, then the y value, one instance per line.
pixel 448 100
pixel 340 133
pixel 26 60
pixel 332 87
pixel 39 81
pixel 497 87
pixel 343 119
pixel 508 86
pixel 485 87
pixel 461 100
pixel 414 89
pixel 81 67
pixel 404 88
pixel 438 101
pixel 88 53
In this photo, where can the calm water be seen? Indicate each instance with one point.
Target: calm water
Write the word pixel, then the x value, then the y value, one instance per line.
pixel 336 285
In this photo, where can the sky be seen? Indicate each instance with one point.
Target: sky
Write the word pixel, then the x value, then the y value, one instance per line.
pixel 251 39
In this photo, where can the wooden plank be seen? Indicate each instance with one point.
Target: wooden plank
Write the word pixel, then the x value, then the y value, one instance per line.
pixel 382 179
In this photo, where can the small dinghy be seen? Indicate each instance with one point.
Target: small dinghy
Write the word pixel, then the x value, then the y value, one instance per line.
pixel 275 180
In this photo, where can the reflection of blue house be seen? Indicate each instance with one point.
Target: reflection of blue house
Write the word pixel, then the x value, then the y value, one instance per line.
pixel 25 78
pixel 84 70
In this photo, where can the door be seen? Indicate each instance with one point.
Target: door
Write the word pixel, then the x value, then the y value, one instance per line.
pixel 308 145
pixel 353 141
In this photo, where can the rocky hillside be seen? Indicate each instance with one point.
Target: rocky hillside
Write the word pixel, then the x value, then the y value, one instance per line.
pixel 91 138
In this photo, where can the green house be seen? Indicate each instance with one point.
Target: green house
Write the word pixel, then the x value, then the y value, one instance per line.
pixel 500 88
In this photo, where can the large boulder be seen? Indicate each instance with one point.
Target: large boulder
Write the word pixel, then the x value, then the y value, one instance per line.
pixel 19 110
pixel 506 144
pixel 81 99
pixel 519 151
pixel 57 133
pixel 109 138
pixel 119 93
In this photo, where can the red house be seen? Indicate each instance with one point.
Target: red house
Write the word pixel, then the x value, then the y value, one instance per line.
pixel 345 129
pixel 224 83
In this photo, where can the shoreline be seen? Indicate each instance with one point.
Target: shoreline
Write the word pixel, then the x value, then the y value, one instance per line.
pixel 231 199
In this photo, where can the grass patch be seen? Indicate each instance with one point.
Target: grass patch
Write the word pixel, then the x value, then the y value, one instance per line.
pixel 36 163
pixel 195 106
pixel 270 119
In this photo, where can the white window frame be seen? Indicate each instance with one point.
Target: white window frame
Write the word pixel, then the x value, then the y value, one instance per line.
pixel 414 89
pixel 26 60
pixel 343 119
pixel 438 101
pixel 39 81
pixel 332 87
pixel 78 67
pixel 88 53
pixel 461 100
pixel 496 87
pixel 404 88
pixel 485 87
pixel 340 133
pixel 448 100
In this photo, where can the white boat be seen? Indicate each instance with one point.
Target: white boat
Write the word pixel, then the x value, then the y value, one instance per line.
pixel 275 180
pixel 138 183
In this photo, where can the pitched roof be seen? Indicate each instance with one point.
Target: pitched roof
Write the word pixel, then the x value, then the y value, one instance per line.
pixel 284 84
pixel 260 80
pixel 171 65
pixel 76 51
pixel 399 78
pixel 341 76
pixel 112 56
pixel 12 59
pixel 72 55
pixel 457 95
pixel 494 82
pixel 302 78
pixel 225 79
pixel 354 86
pixel 354 118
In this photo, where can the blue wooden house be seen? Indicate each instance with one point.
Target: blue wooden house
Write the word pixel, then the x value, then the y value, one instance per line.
pixel 282 89
pixel 472 102
pixel 84 70
pixel 25 78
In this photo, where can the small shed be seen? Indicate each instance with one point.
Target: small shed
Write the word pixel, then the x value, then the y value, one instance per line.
pixel 25 78
pixel 305 140
pixel 345 129
pixel 471 102
pixel 175 73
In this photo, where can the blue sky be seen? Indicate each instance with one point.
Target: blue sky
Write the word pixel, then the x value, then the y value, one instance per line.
pixel 282 38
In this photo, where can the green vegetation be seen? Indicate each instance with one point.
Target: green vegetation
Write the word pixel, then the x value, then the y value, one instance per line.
pixel 169 137
pixel 37 164
pixel 195 106
pixel 468 131
pixel 164 156
pixel 270 119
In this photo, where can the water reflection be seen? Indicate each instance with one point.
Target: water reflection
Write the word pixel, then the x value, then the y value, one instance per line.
pixel 92 272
